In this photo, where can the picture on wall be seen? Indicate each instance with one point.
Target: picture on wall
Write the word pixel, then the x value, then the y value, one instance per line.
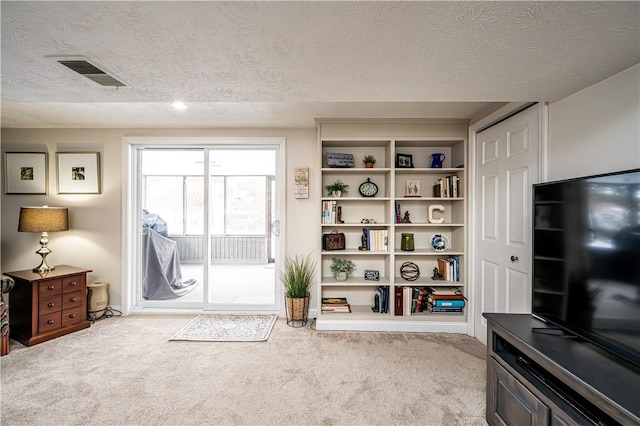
pixel 78 172
pixel 25 173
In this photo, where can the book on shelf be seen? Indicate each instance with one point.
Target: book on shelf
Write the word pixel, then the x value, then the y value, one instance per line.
pixel 335 304
pixel 398 216
pixel 398 309
pixel 444 290
pixel 447 303
pixel 444 310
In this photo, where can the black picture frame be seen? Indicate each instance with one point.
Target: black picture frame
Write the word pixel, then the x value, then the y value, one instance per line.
pixel 404 161
pixel 370 275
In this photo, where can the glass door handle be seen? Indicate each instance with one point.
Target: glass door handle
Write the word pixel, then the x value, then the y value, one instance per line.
pixel 275 227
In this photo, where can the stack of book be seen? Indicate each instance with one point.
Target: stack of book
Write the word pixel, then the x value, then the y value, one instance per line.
pixel 335 304
pixel 445 300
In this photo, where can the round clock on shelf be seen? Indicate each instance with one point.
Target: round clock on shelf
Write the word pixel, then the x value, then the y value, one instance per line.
pixel 368 188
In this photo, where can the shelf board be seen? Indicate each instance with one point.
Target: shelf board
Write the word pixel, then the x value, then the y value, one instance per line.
pixel 354 252
pixel 356 225
pixel 429 252
pixel 429 170
pixel 365 199
pixel 442 199
pixel 354 170
pixel 353 281
pixel 432 225
pixel 426 281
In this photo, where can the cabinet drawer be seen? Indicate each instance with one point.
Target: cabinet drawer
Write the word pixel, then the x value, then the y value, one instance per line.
pixel 49 322
pixel 71 316
pixel 72 299
pixel 49 288
pixel 49 305
pixel 72 283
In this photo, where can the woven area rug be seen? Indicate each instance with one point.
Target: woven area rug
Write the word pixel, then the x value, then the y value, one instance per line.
pixel 227 328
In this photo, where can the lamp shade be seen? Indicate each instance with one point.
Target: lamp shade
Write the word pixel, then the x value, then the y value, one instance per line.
pixel 43 219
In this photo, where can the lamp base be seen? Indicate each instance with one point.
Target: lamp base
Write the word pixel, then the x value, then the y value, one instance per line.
pixel 43 268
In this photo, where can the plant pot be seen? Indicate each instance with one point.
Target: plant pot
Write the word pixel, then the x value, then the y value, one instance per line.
pixel 337 194
pixel 368 165
pixel 297 310
pixel 341 276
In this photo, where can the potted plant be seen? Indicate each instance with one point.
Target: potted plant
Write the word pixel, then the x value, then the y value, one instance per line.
pixel 369 161
pixel 297 280
pixel 341 267
pixel 337 188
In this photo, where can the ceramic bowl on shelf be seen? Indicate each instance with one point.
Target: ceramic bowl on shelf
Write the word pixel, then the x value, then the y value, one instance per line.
pixel 439 242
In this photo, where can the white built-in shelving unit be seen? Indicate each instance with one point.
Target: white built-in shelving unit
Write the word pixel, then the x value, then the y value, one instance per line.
pixel 384 139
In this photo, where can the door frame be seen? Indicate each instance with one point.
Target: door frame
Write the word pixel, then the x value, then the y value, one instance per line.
pixel 130 144
pixel 495 117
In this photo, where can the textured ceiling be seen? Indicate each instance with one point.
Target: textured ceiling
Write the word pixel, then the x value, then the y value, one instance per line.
pixel 284 63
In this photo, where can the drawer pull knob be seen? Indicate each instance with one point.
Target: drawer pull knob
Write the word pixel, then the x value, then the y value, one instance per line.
pixel 51 305
pixel 50 322
pixel 73 299
pixel 51 287
pixel 72 283
pixel 72 316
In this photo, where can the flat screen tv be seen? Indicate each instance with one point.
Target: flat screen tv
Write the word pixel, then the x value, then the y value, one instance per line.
pixel 586 259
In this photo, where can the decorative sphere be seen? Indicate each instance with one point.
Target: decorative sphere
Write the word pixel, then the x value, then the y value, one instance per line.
pixel 409 271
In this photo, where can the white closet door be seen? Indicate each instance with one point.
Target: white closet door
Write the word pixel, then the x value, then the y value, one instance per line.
pixel 506 167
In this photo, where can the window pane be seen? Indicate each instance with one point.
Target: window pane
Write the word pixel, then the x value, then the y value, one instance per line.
pixel 217 205
pixel 163 196
pixel 194 186
pixel 246 205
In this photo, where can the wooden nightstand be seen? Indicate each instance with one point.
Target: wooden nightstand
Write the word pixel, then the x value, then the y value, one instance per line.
pixel 43 307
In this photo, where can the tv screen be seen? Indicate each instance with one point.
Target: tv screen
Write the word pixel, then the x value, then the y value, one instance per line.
pixel 586 259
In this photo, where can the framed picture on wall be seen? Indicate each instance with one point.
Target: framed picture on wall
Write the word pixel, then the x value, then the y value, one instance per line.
pixel 25 173
pixel 78 172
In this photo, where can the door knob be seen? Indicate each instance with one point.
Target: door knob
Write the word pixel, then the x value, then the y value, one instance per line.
pixel 514 258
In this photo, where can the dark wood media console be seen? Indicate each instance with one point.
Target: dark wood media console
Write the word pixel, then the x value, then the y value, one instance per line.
pixel 539 378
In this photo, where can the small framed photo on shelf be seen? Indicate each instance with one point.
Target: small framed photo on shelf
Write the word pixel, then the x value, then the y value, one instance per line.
pixel 370 275
pixel 412 188
pixel 404 161
pixel 78 172
pixel 25 173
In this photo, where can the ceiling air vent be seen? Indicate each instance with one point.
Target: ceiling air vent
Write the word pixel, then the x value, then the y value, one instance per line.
pixel 93 73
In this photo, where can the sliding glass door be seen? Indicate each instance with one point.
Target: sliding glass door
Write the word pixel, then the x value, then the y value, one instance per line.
pixel 205 223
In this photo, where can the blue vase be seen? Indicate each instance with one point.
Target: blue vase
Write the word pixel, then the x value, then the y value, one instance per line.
pixel 436 160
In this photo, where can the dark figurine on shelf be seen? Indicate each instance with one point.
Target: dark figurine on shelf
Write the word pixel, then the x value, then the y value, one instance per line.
pixel 437 275
pixel 405 219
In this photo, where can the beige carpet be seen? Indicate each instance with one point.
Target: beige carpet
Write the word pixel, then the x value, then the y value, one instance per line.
pixel 124 371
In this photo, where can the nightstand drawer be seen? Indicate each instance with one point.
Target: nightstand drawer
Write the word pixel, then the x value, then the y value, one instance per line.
pixel 49 322
pixel 72 299
pixel 49 288
pixel 49 305
pixel 70 316
pixel 72 283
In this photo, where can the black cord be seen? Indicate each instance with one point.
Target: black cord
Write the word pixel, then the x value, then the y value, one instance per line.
pixel 109 312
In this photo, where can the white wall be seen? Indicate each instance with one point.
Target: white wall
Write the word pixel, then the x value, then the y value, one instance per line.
pixel 596 130
pixel 94 240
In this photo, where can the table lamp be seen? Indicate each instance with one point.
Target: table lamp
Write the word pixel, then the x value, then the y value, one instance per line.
pixel 43 219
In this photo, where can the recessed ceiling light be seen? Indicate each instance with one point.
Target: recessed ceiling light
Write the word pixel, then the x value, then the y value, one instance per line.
pixel 179 105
